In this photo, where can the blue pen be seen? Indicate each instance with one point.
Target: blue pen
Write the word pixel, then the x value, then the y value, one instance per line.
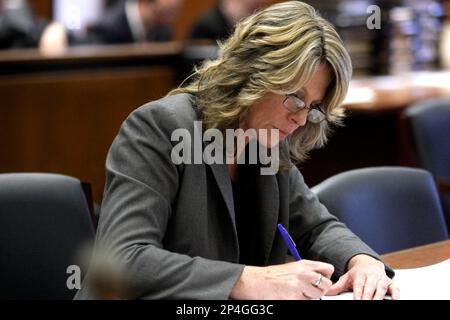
pixel 289 242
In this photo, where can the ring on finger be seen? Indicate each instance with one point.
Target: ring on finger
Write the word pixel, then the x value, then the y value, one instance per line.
pixel 318 281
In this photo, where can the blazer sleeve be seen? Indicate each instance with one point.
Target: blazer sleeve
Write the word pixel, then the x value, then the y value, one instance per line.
pixel 141 185
pixel 319 235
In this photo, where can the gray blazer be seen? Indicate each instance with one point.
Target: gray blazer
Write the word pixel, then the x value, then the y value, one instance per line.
pixel 174 225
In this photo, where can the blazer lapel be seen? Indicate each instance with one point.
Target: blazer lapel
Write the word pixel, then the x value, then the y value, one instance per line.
pixel 222 176
pixel 223 180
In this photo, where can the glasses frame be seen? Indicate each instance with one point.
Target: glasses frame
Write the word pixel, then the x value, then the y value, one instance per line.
pixel 317 107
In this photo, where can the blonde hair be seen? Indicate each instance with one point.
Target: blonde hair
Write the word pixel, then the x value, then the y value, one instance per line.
pixel 275 50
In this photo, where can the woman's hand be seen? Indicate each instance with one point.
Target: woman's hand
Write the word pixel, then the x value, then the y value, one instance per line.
pixel 295 280
pixel 367 278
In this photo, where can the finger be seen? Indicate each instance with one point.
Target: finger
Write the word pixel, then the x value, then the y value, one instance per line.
pixel 306 296
pixel 382 288
pixel 340 286
pixel 370 287
pixel 321 267
pixel 324 284
pixel 394 291
pixel 312 292
pixel 326 269
pixel 358 287
pixel 310 289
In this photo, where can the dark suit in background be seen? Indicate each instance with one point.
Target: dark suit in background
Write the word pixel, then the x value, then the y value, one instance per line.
pixel 19 28
pixel 213 25
pixel 115 27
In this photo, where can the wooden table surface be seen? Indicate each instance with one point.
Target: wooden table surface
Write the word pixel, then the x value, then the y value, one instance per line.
pixel 391 93
pixel 419 256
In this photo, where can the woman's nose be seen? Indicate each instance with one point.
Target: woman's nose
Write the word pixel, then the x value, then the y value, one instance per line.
pixel 300 117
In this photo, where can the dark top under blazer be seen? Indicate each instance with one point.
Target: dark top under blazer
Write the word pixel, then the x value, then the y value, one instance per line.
pixel 175 224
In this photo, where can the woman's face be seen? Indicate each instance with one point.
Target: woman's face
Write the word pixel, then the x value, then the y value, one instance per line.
pixel 269 112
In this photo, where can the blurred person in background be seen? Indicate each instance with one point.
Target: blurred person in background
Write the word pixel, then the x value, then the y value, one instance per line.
pixel 129 21
pixel 445 39
pixel 219 21
pixel 19 27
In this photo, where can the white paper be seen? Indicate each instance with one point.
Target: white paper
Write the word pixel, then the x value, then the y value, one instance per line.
pixel 425 283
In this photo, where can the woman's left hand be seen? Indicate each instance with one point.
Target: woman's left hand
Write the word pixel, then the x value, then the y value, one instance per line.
pixel 367 278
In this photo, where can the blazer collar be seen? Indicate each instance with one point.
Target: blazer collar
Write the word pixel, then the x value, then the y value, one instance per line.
pixel 222 176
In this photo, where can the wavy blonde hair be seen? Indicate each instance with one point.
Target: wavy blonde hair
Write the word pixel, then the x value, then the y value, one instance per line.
pixel 275 50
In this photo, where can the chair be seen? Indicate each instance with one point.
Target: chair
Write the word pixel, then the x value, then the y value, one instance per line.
pixel 389 208
pixel 44 221
pixel 430 125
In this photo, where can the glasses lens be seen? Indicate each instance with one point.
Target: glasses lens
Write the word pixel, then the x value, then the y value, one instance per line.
pixel 294 104
pixel 315 116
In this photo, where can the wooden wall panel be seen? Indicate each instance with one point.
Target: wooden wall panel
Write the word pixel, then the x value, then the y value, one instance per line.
pixel 65 123
pixel 447 8
pixel 42 8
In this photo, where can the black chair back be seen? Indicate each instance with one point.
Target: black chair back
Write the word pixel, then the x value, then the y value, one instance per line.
pixel 44 223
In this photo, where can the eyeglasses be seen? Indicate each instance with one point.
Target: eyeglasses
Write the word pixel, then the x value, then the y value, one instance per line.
pixel 294 103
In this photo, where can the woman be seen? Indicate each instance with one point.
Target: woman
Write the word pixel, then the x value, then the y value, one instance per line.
pixel 208 230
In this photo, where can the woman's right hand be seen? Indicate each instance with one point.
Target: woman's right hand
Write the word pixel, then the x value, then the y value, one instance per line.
pixel 294 280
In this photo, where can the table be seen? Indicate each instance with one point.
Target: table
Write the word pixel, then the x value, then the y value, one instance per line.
pixel 393 93
pixel 419 256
